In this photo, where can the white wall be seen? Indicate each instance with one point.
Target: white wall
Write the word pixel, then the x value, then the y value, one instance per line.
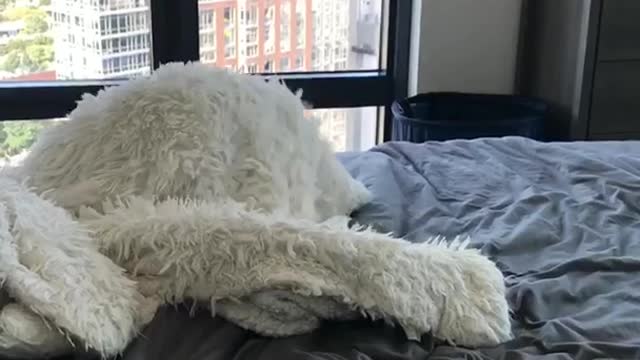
pixel 464 45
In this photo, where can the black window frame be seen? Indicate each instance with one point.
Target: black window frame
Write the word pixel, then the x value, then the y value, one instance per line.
pixel 174 37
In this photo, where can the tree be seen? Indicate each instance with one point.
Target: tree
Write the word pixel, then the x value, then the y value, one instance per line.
pixel 28 55
pixel 35 22
pixel 32 50
pixel 3 134
pixel 20 135
pixel 4 4
pixel 3 138
pixel 18 13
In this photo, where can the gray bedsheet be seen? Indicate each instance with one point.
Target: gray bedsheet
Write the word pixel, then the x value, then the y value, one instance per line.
pixel 562 221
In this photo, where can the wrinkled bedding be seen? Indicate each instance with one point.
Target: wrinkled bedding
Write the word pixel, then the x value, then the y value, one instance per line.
pixel 561 220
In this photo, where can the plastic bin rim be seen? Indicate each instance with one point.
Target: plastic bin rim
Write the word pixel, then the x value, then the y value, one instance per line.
pixel 456 123
pixel 517 100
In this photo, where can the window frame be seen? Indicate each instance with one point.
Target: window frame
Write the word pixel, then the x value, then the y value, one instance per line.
pixel 174 37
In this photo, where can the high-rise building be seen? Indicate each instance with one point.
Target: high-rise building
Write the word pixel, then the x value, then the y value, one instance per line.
pixel 330 48
pixel 256 35
pixel 101 39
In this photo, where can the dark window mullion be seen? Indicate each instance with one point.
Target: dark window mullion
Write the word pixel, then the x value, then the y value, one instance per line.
pixel 329 91
pixel 174 26
pixel 53 99
pixel 321 90
pixel 398 45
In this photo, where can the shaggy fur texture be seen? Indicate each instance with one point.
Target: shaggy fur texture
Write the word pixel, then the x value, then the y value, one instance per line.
pixel 49 263
pixel 213 251
pixel 196 132
pixel 208 185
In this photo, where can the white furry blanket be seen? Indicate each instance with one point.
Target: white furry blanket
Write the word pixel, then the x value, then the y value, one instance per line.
pixel 199 184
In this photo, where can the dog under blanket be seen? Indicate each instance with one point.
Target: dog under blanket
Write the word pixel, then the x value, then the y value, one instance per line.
pixel 197 184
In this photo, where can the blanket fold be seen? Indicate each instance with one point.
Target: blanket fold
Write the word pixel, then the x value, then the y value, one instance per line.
pixel 64 287
pixel 203 251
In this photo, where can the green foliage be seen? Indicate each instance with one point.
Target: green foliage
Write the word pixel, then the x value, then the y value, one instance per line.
pixel 18 136
pixel 4 4
pixel 32 50
pixel 28 55
pixel 35 19
pixel 19 13
pixel 35 22
pixel 23 13
pixel 3 134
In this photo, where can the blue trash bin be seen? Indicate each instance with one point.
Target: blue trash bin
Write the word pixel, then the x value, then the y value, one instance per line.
pixel 445 116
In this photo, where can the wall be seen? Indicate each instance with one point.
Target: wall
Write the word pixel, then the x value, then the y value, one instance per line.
pixel 464 45
pixel 553 62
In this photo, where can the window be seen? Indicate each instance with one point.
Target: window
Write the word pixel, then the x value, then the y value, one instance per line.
pixel 125 44
pixel 351 129
pixel 284 64
pixel 229 51
pixel 207 38
pixel 269 28
pixel 301 31
pixel 299 62
pixel 268 66
pixel 123 23
pixel 252 36
pixel 229 33
pixel 285 19
pixel 251 18
pixel 123 65
pixel 252 50
pixel 208 56
pixel 15 145
pixel 284 28
pixel 284 36
pixel 206 19
pixel 229 15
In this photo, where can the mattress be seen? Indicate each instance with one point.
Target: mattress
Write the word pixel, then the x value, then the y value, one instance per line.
pixel 561 220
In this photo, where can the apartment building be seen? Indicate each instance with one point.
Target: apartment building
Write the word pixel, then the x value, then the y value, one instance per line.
pixel 101 39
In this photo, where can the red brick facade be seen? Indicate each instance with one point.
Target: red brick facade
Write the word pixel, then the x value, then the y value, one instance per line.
pixel 261 58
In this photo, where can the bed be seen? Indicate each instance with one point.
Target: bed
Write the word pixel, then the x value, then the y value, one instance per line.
pixel 561 220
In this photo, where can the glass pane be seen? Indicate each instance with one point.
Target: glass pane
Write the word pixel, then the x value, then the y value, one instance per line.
pixel 352 129
pixel 74 39
pixel 17 136
pixel 291 35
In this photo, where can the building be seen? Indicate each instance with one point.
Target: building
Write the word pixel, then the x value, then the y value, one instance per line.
pixel 256 36
pixel 49 75
pixel 101 39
